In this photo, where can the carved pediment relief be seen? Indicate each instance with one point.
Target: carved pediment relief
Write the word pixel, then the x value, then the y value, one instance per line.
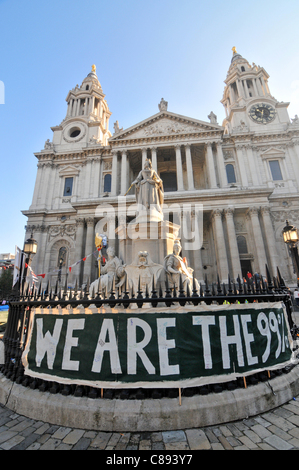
pixel 165 124
pixel 272 153
pixel 69 170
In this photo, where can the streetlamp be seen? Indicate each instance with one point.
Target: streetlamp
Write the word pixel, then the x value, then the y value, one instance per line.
pixel 291 238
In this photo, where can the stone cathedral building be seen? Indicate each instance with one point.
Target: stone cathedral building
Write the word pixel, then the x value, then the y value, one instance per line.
pixel 245 173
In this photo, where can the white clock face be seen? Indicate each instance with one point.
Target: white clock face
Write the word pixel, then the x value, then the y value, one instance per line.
pixel 262 113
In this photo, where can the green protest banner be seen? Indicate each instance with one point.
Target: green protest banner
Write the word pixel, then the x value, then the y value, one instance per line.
pixel 174 347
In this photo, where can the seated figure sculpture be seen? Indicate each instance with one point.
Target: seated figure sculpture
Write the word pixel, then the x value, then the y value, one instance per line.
pixel 175 268
pixel 114 269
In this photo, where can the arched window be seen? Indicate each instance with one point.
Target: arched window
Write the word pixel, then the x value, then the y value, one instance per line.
pixel 169 181
pixel 242 69
pixel 87 87
pixel 107 183
pixel 242 245
pixel 230 173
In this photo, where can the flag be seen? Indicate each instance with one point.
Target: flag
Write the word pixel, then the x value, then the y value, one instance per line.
pixel 19 263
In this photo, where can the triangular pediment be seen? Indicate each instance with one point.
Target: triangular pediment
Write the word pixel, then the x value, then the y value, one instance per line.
pixel 69 170
pixel 272 152
pixel 165 124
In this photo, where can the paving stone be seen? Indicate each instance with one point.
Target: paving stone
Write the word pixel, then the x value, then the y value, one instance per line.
pixel 294 420
pixel 294 442
pixel 252 436
pixel 278 443
pixel 82 444
pixel 280 433
pixel 225 443
pixel 173 436
pixel 262 421
pixel 28 441
pixel 73 437
pixel 177 446
pixel 6 435
pixel 61 433
pixel 217 446
pixel 261 431
pixel 247 442
pixel 42 429
pixel 197 439
pixel 21 426
pixel 7 445
pixel 101 440
pixel 34 446
pixel 145 444
pixel 279 422
pixel 51 444
pixel 225 431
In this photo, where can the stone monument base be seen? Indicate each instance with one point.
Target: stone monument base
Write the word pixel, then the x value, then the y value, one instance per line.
pixel 155 237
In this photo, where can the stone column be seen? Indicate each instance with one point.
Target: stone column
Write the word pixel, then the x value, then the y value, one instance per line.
pixel 37 186
pixel 97 177
pixel 270 239
pixel 242 167
pixel 211 166
pixel 144 155
pixel 221 167
pixel 253 166
pixel 189 167
pixel 179 168
pixel 114 174
pixel 89 246
pixel 233 245
pixel 222 264
pixel 261 259
pixel 124 172
pixel 154 158
pixel 78 250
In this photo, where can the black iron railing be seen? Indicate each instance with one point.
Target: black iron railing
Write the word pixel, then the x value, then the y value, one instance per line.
pixel 255 289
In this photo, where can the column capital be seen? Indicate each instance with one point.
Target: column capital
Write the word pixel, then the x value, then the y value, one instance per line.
pixel 253 211
pixel 217 213
pixel 90 222
pixel 229 212
pixel 80 221
pixel 265 210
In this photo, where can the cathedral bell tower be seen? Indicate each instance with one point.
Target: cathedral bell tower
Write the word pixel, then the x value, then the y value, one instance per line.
pixel 248 103
pixel 87 117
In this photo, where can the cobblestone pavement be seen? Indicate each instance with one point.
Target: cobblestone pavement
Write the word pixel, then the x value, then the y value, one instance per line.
pixel 274 430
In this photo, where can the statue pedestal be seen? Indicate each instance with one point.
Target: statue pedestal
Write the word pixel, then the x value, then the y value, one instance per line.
pixel 155 237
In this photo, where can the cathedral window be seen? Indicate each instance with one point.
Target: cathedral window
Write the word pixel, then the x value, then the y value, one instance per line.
pixel 275 170
pixel 169 181
pixel 242 245
pixel 230 173
pixel 107 183
pixel 68 186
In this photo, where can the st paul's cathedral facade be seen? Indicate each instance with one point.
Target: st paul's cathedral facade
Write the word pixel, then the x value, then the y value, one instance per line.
pixel 244 174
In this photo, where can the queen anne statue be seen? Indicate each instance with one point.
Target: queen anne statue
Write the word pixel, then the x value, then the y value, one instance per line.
pixel 149 188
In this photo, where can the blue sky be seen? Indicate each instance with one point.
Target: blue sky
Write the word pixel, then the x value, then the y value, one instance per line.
pixel 143 50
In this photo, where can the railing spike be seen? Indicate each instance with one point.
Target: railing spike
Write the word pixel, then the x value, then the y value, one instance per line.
pixel 269 280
